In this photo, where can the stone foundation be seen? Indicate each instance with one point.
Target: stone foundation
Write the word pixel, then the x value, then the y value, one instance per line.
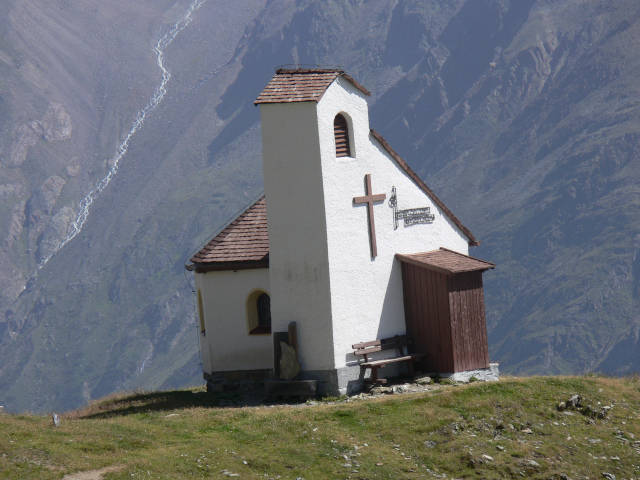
pixel 350 380
pixel 341 381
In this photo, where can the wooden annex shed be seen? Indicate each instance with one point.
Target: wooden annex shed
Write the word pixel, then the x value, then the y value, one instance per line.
pixel 444 309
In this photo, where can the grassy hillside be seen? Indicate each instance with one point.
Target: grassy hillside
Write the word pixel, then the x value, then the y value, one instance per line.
pixel 522 116
pixel 499 430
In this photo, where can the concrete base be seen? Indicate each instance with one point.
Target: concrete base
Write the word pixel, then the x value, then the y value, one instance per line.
pixel 341 381
pixel 327 381
pixel 347 380
pixel 217 380
pixel 491 374
pixel 290 388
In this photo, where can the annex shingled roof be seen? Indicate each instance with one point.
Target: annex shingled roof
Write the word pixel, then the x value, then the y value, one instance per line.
pixel 302 85
pixel 244 243
pixel 446 261
pixel 473 242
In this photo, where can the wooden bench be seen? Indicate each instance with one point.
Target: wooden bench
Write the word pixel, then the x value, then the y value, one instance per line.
pixel 399 342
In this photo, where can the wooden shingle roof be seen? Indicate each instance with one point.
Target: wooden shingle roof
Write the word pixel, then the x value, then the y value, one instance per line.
pixel 446 261
pixel 301 85
pixel 243 244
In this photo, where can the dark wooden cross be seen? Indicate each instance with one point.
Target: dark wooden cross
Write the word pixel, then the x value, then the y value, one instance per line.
pixel 369 199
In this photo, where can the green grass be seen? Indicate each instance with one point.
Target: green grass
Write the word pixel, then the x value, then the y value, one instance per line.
pixel 185 434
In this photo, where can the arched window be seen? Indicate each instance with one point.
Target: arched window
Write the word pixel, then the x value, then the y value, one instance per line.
pixel 201 314
pixel 264 310
pixel 341 132
pixel 259 313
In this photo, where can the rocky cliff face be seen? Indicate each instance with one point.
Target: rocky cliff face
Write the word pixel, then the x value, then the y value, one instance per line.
pixel 56 76
pixel 545 141
pixel 521 115
pixel 74 77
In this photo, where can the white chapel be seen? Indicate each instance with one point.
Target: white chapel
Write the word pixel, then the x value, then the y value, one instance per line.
pixel 347 242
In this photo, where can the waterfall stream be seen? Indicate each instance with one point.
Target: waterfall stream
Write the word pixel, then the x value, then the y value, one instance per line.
pixel 158 95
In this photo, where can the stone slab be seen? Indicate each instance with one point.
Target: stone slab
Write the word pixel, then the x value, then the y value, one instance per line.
pixel 291 388
pixel 491 374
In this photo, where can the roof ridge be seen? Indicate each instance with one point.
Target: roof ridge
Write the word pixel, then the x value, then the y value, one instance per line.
pixel 464 255
pixel 281 71
pixel 228 227
pixel 243 241
pixel 293 85
pixel 445 261
pixel 473 242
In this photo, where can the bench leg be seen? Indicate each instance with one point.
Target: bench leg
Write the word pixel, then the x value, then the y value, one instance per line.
pixel 410 368
pixel 374 376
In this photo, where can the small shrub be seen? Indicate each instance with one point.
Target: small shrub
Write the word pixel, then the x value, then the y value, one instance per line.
pixel 333 398
pixel 442 380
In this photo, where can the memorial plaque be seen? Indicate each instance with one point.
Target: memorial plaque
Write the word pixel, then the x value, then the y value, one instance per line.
pixel 410 216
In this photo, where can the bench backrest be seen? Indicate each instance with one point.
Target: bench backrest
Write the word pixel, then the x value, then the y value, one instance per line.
pixel 366 348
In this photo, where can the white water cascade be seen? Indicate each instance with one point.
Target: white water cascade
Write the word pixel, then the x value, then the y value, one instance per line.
pixel 158 95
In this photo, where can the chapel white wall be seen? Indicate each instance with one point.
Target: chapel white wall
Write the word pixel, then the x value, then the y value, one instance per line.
pixel 298 258
pixel 366 294
pixel 227 345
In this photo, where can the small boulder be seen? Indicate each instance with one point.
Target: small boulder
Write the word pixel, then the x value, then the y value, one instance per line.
pixel 531 464
pixel 397 389
pixel 422 380
pixel 574 401
pixel 378 390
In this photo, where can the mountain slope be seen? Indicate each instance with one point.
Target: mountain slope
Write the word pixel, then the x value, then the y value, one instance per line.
pixel 545 144
pixel 521 115
pixel 113 304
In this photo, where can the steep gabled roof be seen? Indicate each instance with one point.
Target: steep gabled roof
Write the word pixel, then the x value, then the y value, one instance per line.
pixel 302 85
pixel 243 244
pixel 446 261
pixel 473 242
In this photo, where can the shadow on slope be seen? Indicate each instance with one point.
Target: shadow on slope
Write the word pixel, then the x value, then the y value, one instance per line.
pixel 121 405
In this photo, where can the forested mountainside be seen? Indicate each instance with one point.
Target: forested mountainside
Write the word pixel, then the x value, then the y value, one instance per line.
pixel 521 115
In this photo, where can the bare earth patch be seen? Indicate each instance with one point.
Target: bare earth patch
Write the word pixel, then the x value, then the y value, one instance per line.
pixel 92 474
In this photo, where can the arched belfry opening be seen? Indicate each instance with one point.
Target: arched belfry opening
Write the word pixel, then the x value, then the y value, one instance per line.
pixel 341 132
